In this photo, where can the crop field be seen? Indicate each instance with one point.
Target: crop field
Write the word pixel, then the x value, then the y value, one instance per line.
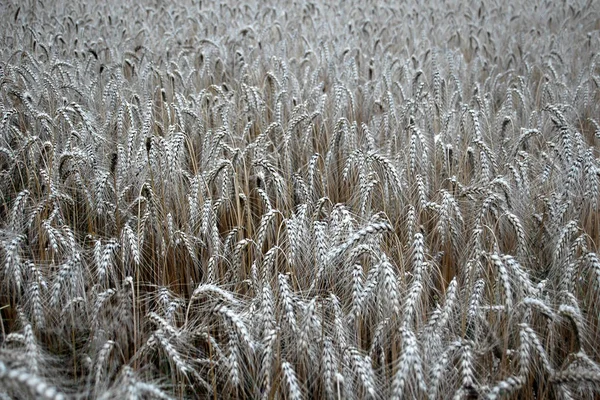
pixel 299 199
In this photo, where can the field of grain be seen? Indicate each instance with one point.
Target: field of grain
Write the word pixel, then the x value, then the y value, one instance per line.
pixel 299 200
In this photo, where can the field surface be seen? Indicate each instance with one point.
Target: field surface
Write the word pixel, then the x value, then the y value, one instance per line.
pixel 299 200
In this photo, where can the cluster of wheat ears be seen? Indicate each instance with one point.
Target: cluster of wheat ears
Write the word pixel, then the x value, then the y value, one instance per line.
pixel 299 200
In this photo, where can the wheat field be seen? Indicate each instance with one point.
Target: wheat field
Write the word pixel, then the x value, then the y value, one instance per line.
pixel 300 200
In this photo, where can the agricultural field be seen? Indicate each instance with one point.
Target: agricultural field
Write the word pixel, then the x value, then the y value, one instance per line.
pixel 299 199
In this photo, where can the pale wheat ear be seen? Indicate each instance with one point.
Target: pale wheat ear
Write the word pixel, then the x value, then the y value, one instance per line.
pixel 26 382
